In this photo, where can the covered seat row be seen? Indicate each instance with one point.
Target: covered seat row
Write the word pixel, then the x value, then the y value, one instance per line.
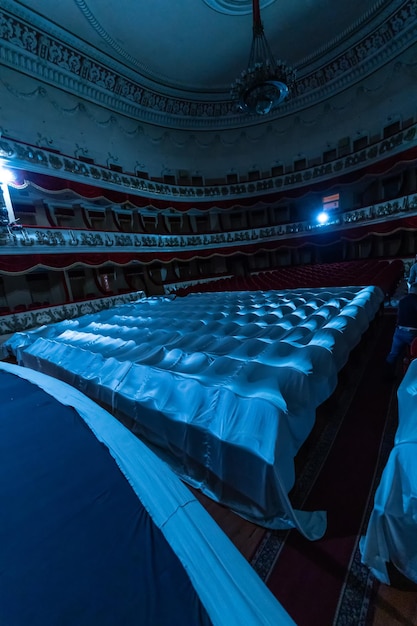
pixel 391 535
pixel 223 386
pixel 382 273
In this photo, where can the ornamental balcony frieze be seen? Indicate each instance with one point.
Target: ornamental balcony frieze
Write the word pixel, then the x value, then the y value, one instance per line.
pixel 42 240
pixel 18 155
pixel 55 58
pixel 21 321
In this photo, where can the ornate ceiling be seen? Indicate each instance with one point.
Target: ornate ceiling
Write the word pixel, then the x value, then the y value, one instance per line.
pixel 179 59
pixel 157 75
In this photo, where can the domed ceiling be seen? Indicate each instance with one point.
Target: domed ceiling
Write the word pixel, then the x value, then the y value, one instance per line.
pixel 199 46
pixel 145 85
pixel 179 59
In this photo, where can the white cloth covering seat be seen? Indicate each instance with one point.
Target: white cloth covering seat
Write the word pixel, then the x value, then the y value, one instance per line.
pixel 224 394
pixel 391 535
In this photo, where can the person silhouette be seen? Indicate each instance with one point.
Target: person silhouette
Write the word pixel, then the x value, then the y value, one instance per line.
pixel 405 330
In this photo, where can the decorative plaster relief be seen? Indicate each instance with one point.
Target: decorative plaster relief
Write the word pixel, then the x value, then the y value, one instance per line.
pixel 39 240
pixel 18 322
pixel 21 156
pixel 32 51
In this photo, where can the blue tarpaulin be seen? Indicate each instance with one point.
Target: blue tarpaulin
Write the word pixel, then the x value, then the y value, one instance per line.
pixel 77 545
pixel 95 530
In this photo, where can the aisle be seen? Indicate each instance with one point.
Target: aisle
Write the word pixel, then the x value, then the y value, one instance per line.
pixel 308 577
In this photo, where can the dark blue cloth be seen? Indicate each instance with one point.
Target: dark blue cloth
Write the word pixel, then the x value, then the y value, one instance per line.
pixel 402 337
pixel 76 545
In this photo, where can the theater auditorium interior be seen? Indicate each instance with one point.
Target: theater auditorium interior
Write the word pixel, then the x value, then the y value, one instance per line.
pixel 208 214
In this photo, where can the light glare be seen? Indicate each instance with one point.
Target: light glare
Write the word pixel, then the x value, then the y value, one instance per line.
pixel 6 175
pixel 323 217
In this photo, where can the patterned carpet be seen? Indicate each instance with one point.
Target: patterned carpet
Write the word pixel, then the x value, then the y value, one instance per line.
pixel 324 582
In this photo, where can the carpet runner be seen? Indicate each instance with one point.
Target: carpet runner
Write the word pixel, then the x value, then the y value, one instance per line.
pixel 323 582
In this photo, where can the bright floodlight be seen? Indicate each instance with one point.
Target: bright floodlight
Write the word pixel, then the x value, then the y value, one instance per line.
pixel 323 217
pixel 6 175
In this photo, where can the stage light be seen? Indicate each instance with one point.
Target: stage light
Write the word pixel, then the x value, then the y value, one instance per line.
pixel 323 217
pixel 6 175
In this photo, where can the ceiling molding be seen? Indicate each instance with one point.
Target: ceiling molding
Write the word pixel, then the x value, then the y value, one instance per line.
pixel 31 49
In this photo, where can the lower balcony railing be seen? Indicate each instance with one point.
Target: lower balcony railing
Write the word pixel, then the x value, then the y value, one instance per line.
pixel 24 320
pixel 43 240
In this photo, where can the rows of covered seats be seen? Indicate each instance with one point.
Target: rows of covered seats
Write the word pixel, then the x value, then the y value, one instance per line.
pixel 383 274
pixel 391 536
pixel 224 386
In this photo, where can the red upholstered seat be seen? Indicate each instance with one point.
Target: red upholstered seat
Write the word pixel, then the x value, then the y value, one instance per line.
pixel 411 354
pixel 413 349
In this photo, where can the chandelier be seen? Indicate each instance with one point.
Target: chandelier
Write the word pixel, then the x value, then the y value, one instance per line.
pixel 266 82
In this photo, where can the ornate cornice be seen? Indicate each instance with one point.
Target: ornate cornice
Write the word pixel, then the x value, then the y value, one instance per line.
pixel 98 28
pixel 28 48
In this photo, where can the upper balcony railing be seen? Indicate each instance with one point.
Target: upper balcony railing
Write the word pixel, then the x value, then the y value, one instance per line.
pixel 21 156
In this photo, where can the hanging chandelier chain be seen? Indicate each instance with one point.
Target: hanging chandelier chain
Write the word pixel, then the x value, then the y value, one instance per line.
pixel 256 13
pixel 260 51
pixel 266 82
